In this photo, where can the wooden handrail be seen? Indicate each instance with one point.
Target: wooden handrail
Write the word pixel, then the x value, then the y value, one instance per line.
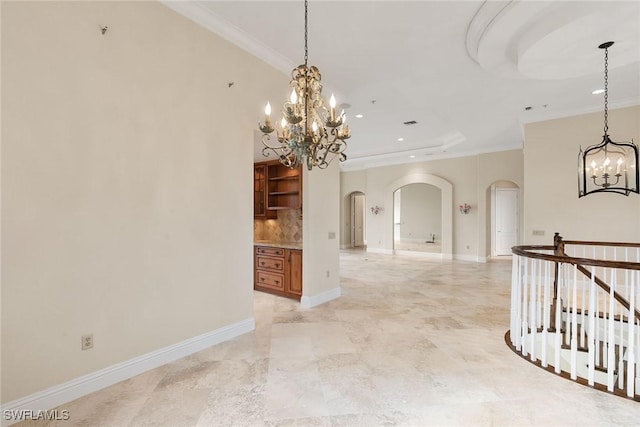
pixel 559 256
pixel 588 243
pixel 524 251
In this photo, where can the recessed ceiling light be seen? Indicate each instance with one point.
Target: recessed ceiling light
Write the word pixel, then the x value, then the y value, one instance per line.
pixel 597 92
pixel 400 139
pixel 412 156
pixel 359 116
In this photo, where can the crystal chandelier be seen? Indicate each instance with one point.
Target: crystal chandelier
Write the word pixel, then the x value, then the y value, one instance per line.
pixel 609 166
pixel 309 132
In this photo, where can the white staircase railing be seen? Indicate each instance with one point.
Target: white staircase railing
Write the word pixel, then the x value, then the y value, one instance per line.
pixel 575 310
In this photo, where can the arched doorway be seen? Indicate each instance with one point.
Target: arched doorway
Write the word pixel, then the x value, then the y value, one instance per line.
pixel 417 219
pixel 446 208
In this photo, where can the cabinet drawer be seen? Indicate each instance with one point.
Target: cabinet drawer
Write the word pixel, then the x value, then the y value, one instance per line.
pixel 268 263
pixel 265 250
pixel 270 280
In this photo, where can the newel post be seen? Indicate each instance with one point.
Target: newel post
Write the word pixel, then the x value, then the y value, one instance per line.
pixel 558 250
pixel 558 244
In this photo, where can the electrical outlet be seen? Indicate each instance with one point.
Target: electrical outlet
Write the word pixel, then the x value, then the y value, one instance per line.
pixel 87 341
pixel 538 232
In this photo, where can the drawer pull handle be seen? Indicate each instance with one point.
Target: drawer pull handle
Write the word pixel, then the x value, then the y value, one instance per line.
pixel 277 265
pixel 262 279
pixel 262 263
pixel 277 282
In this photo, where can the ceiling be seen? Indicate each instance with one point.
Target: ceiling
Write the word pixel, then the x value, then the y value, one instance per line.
pixel 470 73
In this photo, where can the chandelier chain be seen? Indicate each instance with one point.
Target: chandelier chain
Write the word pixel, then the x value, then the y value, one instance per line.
pixel 306 48
pixel 606 91
pixel 310 133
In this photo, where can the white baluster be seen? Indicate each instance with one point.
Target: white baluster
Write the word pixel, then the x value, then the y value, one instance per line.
pixel 533 324
pixel 611 365
pixel 637 290
pixel 597 290
pixel 592 325
pixel 546 315
pixel 513 291
pixel 574 326
pixel 525 324
pixel 631 356
pixel 558 335
pixel 614 278
pixel 583 314
pixel 515 285
pixel 567 312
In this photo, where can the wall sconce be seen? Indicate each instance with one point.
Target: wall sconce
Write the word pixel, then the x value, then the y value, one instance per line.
pixel 376 209
pixel 465 209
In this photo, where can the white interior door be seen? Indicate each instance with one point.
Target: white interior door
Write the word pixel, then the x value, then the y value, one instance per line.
pixel 506 220
pixel 357 220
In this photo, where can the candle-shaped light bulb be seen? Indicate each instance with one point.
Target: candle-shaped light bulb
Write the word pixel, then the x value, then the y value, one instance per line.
pixel 267 116
pixel 606 163
pixel 294 97
pixel 593 167
pixel 332 103
pixel 314 126
pixel 343 116
pixel 619 164
pixel 283 122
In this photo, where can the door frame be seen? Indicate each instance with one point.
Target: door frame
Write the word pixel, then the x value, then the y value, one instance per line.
pixel 494 230
pixel 352 219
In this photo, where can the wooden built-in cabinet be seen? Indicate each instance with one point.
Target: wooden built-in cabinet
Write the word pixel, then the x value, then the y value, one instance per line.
pixel 278 271
pixel 275 187
pixel 260 193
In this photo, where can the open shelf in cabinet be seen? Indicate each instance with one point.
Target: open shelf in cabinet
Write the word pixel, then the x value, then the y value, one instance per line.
pixel 283 187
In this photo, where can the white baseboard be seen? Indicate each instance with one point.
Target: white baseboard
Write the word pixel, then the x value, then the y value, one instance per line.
pixel 380 251
pixel 71 390
pixel 471 258
pixel 312 301
pixel 418 254
pixel 417 240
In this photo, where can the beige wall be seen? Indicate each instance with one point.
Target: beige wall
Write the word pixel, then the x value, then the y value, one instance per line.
pixel 320 245
pixel 551 193
pixel 470 178
pixel 126 185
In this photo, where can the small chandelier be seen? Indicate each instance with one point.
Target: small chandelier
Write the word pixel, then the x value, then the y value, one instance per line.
pixel 309 132
pixel 610 167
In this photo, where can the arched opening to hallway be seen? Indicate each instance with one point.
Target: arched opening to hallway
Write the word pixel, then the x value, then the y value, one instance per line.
pixel 446 209
pixel 417 219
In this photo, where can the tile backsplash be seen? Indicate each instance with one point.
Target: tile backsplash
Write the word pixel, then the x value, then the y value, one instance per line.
pixel 286 228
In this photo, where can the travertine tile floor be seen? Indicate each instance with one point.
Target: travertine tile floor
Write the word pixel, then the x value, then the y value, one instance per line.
pixel 412 342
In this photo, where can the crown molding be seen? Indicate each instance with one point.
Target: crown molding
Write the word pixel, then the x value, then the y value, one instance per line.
pixel 201 15
pixel 561 114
